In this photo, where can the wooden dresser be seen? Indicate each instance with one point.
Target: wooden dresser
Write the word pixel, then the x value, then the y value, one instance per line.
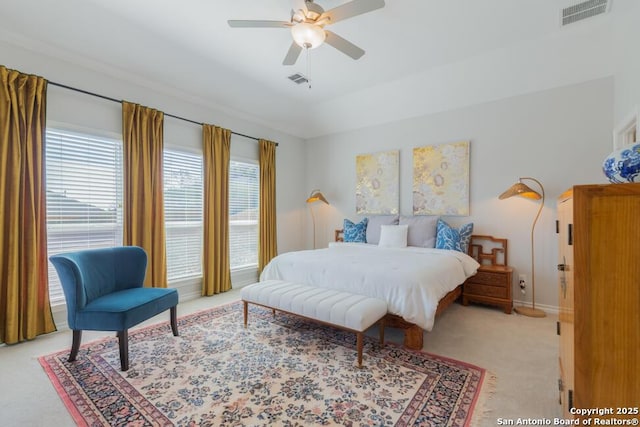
pixel 492 283
pixel 599 298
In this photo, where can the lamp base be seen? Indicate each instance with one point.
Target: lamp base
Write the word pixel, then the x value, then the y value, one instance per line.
pixel 531 312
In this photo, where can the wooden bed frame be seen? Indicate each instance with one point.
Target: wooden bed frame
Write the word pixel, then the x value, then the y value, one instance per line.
pixel 413 334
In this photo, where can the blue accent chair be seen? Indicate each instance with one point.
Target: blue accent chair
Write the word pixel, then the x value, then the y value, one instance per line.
pixel 104 292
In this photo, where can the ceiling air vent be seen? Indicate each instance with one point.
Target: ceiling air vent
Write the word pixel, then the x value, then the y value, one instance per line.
pixel 298 78
pixel 584 10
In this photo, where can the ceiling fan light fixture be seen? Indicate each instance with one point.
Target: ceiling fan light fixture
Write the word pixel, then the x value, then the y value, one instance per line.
pixel 307 35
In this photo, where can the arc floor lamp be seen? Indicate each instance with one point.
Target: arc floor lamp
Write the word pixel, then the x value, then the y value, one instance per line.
pixel 523 190
pixel 315 196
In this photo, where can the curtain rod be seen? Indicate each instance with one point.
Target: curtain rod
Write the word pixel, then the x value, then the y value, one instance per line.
pixel 119 101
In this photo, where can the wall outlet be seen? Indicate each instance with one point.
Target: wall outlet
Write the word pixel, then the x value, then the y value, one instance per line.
pixel 522 282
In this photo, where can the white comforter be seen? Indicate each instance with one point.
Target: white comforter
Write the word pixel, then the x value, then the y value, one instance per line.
pixel 411 280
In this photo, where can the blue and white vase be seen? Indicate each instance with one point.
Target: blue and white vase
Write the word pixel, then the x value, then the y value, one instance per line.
pixel 623 165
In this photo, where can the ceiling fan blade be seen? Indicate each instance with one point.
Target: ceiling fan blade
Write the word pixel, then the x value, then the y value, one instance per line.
pixel 258 24
pixel 292 55
pixel 343 45
pixel 353 8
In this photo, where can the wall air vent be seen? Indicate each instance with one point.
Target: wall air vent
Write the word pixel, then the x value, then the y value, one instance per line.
pixel 583 10
pixel 298 78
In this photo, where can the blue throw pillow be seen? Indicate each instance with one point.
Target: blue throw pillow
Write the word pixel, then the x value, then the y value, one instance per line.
pixel 456 239
pixel 355 232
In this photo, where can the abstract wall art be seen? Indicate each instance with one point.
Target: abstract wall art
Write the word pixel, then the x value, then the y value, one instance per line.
pixel 441 179
pixel 378 183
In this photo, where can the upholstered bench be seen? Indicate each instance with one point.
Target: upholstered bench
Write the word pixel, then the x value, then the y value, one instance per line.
pixel 351 312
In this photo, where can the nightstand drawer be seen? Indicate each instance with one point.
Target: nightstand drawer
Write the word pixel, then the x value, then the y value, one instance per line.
pixel 485 290
pixel 489 278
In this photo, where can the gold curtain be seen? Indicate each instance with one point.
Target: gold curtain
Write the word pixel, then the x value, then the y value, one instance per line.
pixel 143 209
pixel 24 288
pixel 267 235
pixel 216 147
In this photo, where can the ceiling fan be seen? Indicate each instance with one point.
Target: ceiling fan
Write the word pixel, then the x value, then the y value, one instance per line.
pixel 307 23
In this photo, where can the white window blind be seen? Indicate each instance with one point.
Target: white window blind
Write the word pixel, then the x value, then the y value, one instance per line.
pixel 84 195
pixel 183 214
pixel 244 190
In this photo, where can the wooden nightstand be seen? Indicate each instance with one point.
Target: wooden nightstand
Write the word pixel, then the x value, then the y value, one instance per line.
pixel 492 283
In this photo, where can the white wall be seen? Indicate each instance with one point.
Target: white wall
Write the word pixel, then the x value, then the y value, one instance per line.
pixel 626 45
pixel 69 108
pixel 559 136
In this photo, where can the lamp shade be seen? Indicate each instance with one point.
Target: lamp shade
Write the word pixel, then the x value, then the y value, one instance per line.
pixel 317 196
pixel 307 35
pixel 522 190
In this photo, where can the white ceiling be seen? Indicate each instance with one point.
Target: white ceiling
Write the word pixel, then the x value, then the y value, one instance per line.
pixel 422 56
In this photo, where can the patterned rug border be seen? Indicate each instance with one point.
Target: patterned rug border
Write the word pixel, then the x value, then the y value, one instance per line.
pixel 477 410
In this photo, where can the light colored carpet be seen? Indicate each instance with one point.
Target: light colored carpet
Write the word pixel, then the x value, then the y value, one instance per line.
pixel 522 352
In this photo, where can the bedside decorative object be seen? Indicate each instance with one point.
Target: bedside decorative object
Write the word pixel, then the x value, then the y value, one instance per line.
pixel 623 165
pixel 522 190
pixel 492 283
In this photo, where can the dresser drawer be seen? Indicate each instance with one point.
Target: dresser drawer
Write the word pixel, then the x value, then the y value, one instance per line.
pixel 485 290
pixel 490 278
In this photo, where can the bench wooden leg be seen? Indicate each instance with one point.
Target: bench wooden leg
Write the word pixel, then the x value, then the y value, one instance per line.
pixel 246 304
pixel 359 346
pixel 273 310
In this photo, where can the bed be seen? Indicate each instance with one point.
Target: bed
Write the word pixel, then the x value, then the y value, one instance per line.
pixel 417 283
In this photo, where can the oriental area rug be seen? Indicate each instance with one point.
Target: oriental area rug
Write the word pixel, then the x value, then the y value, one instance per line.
pixel 280 370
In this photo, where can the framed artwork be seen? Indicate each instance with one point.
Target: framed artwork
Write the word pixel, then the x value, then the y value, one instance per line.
pixel 441 179
pixel 378 183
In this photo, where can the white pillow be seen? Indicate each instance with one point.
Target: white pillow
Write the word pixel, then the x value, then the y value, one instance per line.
pixel 393 236
pixel 373 228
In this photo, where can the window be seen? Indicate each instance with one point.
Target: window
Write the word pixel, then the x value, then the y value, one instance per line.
pixel 84 195
pixel 244 190
pixel 183 214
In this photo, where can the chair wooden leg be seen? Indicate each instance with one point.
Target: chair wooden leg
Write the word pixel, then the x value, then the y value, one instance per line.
pixel 381 326
pixel 174 320
pixel 123 340
pixel 75 345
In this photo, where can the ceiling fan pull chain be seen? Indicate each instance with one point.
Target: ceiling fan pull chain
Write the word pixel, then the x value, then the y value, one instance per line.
pixel 308 75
